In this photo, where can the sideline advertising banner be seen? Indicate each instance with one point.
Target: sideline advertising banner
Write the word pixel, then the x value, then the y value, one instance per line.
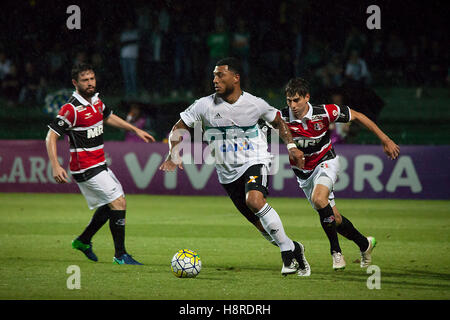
pixel 421 172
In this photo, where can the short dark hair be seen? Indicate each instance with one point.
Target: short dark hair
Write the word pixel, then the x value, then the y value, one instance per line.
pixel 233 64
pixel 297 85
pixel 79 68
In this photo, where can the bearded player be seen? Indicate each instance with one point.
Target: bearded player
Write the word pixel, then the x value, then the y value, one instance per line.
pixel 309 127
pixel 82 118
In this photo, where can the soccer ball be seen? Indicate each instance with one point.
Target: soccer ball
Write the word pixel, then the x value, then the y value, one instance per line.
pixel 186 264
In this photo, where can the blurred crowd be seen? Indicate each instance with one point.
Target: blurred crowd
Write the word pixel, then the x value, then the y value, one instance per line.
pixel 170 48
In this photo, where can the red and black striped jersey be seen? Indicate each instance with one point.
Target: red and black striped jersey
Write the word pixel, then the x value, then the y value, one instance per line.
pixel 83 123
pixel 311 134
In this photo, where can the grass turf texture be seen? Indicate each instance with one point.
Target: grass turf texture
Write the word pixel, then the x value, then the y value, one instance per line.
pixel 238 263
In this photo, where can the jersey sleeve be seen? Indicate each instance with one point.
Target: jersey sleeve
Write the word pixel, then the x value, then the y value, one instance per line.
pixel 338 113
pixel 192 114
pixel 106 111
pixel 64 120
pixel 268 113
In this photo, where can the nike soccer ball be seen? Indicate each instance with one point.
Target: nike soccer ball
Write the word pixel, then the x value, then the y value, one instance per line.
pixel 186 264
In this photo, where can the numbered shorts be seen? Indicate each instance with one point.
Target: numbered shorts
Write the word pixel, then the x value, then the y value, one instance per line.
pixel 255 178
pixel 330 169
pixel 101 189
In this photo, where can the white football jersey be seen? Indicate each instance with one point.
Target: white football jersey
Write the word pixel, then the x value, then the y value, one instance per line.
pixel 233 132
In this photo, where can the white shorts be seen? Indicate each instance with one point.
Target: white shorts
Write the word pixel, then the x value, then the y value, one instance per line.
pixel 329 168
pixel 101 189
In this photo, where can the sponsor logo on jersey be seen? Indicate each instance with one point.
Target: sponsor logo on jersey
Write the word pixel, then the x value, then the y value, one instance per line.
pixel 304 143
pixel 239 146
pixel 95 132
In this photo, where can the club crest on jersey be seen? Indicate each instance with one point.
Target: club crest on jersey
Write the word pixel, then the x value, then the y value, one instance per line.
pixel 318 126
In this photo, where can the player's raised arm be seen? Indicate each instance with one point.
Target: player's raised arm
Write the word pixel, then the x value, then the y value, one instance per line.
pixel 389 147
pixel 285 134
pixel 118 122
pixel 175 137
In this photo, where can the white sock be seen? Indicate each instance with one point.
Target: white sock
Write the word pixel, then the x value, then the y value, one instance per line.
pixel 268 238
pixel 271 222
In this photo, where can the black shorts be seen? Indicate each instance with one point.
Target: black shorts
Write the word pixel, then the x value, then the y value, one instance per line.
pixel 255 178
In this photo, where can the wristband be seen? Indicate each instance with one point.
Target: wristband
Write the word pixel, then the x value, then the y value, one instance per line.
pixel 291 145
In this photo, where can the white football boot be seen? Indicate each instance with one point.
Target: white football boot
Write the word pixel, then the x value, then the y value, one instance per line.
pixel 304 270
pixel 338 261
pixel 366 256
pixel 290 264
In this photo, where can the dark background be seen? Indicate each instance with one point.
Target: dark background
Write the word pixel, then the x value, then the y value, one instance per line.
pixel 33 30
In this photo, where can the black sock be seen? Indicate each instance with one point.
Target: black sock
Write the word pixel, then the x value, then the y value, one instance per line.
pixel 329 226
pixel 101 215
pixel 117 227
pixel 347 229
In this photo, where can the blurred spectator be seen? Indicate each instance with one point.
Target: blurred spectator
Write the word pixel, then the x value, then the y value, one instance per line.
pixel 313 57
pixel 10 86
pixel 56 62
pixel 298 49
pixel 355 40
pixel 80 57
pixel 396 56
pixel 164 19
pixel 437 64
pixel 241 49
pixel 5 65
pixel 32 88
pixel 271 53
pixel 137 118
pixel 375 56
pixel 200 55
pixel 155 46
pixel 182 59
pixel 356 71
pixel 218 43
pixel 129 52
pixel 416 65
pixel 331 75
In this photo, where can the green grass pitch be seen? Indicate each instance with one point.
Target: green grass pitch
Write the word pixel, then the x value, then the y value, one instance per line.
pixel 238 263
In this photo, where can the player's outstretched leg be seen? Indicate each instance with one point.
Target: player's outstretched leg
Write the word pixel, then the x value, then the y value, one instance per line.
pixel 346 229
pixel 328 224
pixel 304 269
pixel 366 256
pixel 117 227
pixel 86 248
pixel 272 224
pixel 365 245
pixel 83 242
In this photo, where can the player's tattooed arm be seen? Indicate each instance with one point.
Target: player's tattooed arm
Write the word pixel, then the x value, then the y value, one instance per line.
pixel 173 159
pixel 390 148
pixel 284 132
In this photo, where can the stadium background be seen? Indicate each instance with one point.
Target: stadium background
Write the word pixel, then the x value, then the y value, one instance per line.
pixel 407 96
pixel 175 44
